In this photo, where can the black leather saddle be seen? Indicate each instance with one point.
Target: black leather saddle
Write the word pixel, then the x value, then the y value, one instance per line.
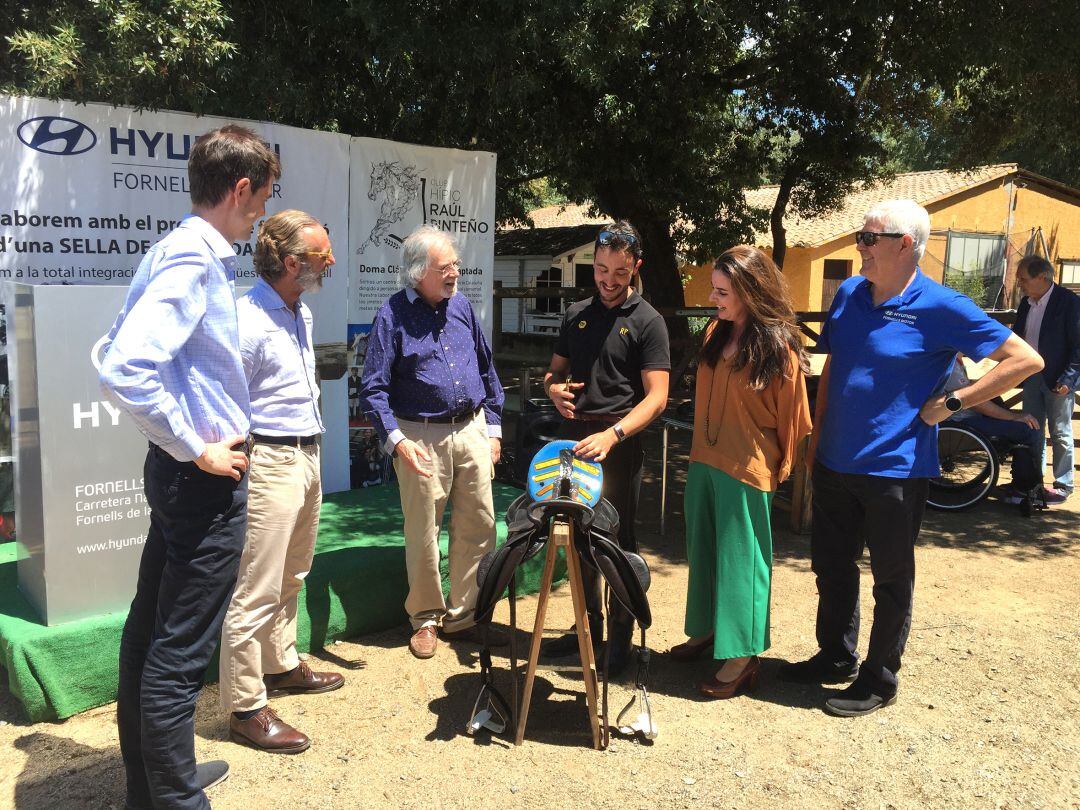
pixel 528 522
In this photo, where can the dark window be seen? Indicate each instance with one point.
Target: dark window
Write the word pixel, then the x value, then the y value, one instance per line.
pixel 834 273
pixel 583 275
pixel 552 277
pixel 975 265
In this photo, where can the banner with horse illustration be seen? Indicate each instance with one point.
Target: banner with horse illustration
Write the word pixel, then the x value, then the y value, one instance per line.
pixel 397 186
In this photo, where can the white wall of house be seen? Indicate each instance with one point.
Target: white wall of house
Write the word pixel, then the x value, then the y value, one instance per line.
pixel 522 271
pixel 517 271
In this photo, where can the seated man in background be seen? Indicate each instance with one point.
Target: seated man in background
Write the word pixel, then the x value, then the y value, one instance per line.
pixel 994 421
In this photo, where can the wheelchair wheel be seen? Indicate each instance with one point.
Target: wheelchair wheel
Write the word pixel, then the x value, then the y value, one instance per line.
pixel 969 469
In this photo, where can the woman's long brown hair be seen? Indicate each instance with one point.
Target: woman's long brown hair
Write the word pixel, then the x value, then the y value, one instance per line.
pixel 770 331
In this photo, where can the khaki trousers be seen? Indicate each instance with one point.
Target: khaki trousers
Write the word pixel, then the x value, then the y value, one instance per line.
pixel 461 474
pixel 259 634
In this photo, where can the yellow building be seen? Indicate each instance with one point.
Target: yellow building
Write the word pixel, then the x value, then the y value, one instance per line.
pixel 982 222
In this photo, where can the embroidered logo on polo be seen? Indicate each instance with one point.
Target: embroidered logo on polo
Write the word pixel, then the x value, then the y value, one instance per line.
pixel 899 317
pixel 581 324
pixel 624 330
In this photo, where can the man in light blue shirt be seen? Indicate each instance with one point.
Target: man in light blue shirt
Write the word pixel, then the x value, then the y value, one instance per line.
pixel 172 363
pixel 258 641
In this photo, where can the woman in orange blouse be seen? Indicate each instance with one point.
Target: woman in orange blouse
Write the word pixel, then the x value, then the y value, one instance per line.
pixel 750 414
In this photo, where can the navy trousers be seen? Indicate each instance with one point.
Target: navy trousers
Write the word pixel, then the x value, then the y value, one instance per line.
pixel 622 487
pixel 186 578
pixel 884 515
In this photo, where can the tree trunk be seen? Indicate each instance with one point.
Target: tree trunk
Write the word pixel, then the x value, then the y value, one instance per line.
pixel 660 268
pixel 776 218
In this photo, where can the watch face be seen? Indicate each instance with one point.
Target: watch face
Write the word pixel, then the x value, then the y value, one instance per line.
pixel 953 403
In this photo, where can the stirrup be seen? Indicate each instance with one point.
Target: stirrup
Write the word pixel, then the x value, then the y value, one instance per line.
pixel 642 723
pixel 489 717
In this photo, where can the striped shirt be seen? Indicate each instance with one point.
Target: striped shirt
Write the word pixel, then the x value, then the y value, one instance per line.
pixel 172 358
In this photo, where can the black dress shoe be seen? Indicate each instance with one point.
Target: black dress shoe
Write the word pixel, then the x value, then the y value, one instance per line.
pixel 819 669
pixel 857 700
pixel 567 645
pixel 210 773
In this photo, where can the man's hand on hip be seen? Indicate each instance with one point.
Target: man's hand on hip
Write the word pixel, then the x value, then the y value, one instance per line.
pixel 496 449
pixel 220 458
pixel 934 411
pixel 411 453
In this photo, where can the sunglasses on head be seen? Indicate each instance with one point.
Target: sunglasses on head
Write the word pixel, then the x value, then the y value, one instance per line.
pixel 869 238
pixel 606 238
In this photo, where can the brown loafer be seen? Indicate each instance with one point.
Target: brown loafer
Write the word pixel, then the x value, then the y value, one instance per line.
pixel 473 635
pixel 302 681
pixel 268 732
pixel 744 682
pixel 690 650
pixel 424 641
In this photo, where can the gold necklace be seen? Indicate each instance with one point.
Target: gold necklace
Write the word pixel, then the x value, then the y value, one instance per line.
pixel 711 441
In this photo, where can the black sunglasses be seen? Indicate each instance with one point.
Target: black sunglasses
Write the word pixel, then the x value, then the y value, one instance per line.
pixel 606 238
pixel 869 238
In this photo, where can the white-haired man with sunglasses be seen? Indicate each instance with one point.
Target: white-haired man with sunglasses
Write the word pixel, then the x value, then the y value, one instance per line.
pixel 891 336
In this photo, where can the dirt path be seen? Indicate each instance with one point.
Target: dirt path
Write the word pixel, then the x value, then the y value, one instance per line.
pixel 988 713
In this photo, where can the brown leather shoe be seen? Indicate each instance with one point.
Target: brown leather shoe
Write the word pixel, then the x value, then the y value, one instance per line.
pixel 302 681
pixel 424 641
pixel 744 682
pixel 690 650
pixel 268 732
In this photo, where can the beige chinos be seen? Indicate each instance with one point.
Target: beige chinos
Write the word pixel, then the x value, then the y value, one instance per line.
pixel 259 635
pixel 462 471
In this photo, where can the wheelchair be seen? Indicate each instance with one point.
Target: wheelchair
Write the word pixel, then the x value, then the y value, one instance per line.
pixel 970 463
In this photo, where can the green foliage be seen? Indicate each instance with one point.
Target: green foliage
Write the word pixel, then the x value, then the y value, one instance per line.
pixel 971 283
pixel 660 111
pixel 121 51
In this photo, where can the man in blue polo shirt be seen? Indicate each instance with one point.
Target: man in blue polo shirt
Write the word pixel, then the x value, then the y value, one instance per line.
pixel 891 336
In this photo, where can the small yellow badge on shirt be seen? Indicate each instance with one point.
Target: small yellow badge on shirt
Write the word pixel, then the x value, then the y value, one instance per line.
pixel 581 324
pixel 624 331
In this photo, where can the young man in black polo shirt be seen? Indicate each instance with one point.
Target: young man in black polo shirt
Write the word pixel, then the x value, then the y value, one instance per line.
pixel 609 380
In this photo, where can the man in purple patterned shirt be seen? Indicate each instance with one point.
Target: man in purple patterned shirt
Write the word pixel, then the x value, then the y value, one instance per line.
pixel 430 390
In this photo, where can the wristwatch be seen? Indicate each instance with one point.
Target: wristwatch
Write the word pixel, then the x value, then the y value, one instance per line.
pixel 618 431
pixel 952 402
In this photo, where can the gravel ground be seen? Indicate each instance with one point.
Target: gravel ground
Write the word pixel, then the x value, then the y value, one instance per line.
pixel 987 714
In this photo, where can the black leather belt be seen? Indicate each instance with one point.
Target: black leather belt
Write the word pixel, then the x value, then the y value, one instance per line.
pixel 444 420
pixel 286 441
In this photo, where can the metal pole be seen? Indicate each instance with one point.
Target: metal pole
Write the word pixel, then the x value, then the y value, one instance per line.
pixel 663 473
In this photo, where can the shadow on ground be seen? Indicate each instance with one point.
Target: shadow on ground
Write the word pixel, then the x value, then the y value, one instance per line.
pixel 61 773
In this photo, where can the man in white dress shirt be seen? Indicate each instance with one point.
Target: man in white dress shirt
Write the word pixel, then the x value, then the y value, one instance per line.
pixel 258 641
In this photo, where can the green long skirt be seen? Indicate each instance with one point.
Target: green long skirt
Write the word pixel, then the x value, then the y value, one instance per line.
pixel 729 549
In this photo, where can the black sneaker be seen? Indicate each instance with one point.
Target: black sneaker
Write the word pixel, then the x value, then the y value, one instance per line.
pixel 819 669
pixel 210 773
pixel 857 700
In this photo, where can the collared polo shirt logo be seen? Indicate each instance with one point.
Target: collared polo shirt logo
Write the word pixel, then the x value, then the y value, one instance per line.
pixel 908 318
pixel 53 135
pixel 581 324
pixel 624 330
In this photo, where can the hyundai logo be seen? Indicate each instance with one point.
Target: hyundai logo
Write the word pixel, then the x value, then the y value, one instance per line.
pixel 57 136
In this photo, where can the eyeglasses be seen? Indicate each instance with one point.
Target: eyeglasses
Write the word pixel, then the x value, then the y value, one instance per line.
pixel 449 268
pixel 606 238
pixel 869 238
pixel 322 254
